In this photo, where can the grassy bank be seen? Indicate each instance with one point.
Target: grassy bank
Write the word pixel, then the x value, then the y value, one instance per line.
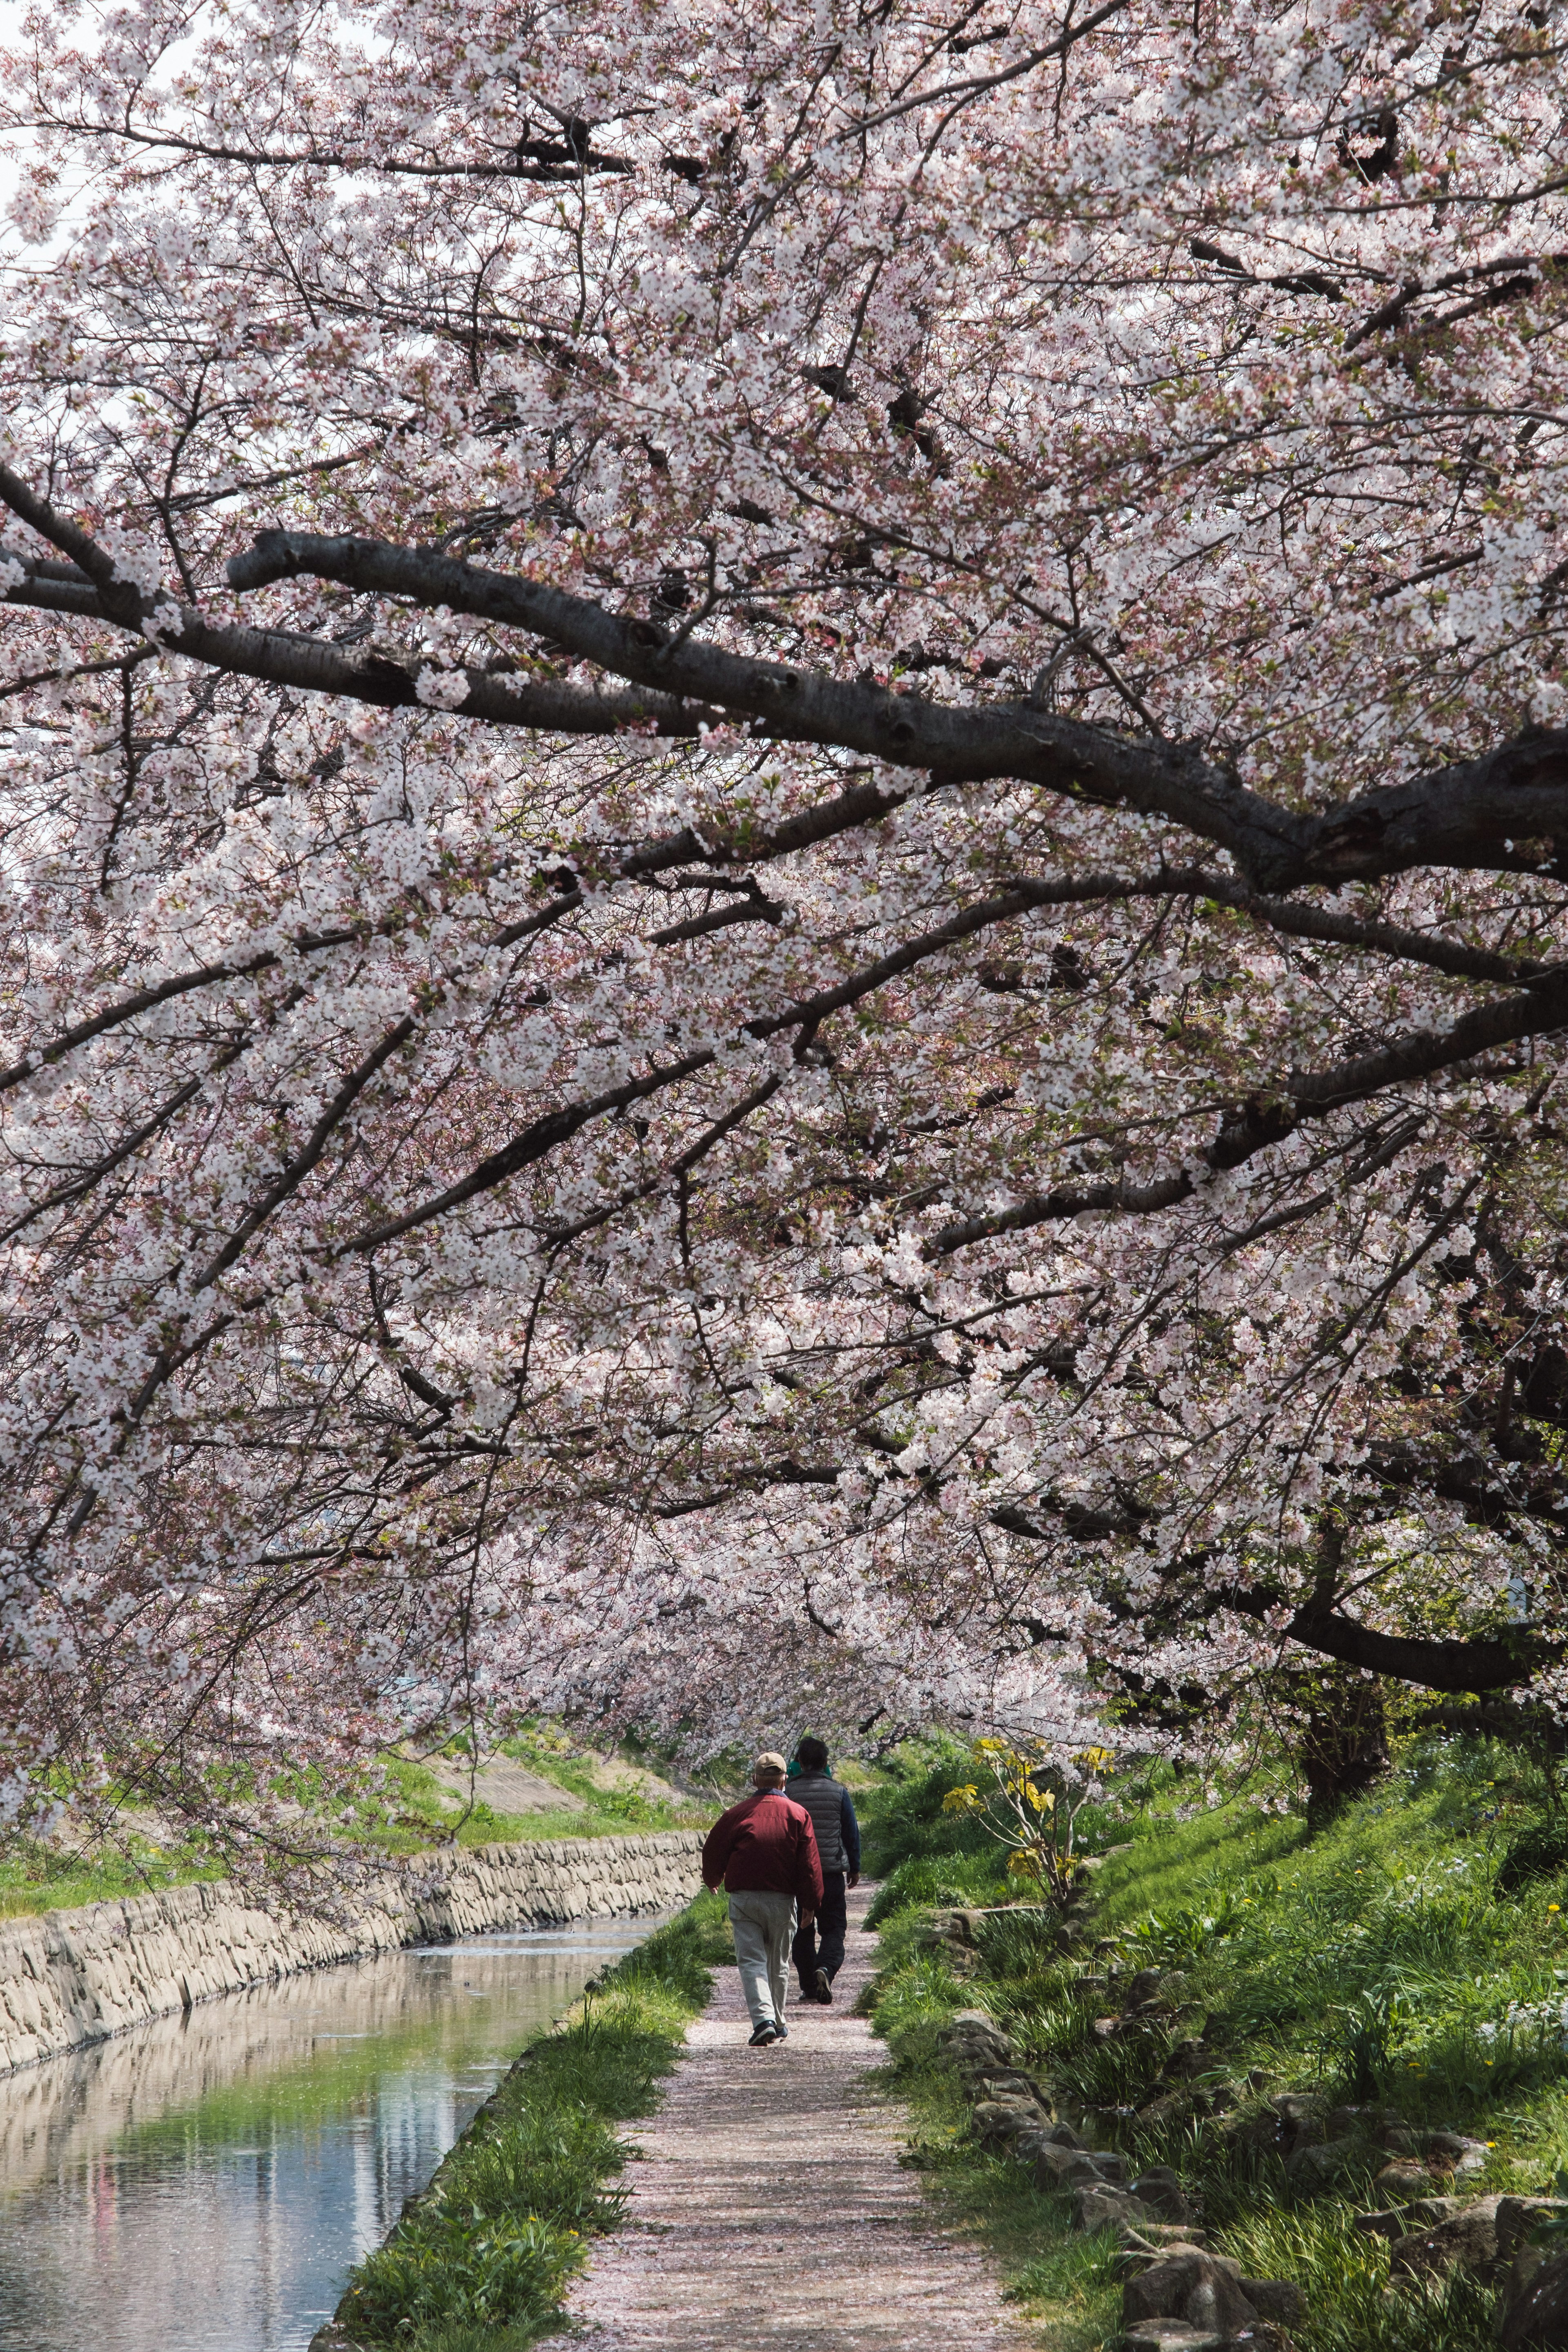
pixel 1411 1957
pixel 429 1814
pixel 415 1813
pixel 35 1877
pixel 481 2261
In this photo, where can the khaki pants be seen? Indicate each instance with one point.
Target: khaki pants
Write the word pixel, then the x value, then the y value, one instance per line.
pixel 763 1924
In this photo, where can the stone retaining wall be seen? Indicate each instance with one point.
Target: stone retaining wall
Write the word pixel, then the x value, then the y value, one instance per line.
pixel 69 1978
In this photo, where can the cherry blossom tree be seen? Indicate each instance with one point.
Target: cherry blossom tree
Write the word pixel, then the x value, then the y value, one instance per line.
pixel 783 824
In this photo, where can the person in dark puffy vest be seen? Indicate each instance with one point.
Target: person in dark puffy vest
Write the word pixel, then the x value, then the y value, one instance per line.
pixel 819 1948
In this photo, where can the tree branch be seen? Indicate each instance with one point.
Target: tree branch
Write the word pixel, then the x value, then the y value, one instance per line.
pixel 146 1000
pixel 1489 811
pixel 279 657
pixel 549 160
pixel 1266 1119
pixel 315 1144
pixel 1461 816
pixel 1452 1667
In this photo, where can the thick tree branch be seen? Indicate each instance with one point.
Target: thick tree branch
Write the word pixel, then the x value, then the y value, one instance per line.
pixel 1481 1664
pixel 279 657
pixel 1453 1666
pixel 1462 815
pixel 1485 811
pixel 1375 938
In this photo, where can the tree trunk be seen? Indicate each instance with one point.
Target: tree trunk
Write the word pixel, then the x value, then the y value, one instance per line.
pixel 1342 1745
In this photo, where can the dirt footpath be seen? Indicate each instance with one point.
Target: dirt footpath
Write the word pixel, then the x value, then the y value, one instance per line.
pixel 769 2212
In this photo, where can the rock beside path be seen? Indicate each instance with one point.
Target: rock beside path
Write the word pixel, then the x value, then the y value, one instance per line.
pixel 1171 2336
pixel 1535 2318
pixel 1398 2221
pixel 1161 2191
pixel 1486 2236
pixel 1105 2208
pixel 1468 2240
pixel 1189 2288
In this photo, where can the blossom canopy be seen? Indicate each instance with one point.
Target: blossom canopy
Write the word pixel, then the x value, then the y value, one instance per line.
pixel 785 816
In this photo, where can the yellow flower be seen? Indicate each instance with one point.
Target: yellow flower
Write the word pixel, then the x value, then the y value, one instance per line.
pixel 1554 1907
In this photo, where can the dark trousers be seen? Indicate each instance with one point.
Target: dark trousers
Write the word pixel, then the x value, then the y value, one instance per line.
pixel 820 1945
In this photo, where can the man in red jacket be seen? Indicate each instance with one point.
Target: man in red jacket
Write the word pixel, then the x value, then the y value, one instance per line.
pixel 764 1852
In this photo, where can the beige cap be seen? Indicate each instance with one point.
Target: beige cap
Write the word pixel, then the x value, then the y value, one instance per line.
pixel 769 1762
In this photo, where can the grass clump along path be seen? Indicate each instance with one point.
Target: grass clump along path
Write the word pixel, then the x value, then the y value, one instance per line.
pixel 1408 1961
pixel 479 2263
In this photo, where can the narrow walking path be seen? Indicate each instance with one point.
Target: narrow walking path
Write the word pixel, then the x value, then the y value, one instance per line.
pixel 769 2212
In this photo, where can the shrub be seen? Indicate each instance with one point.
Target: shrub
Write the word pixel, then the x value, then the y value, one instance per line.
pixel 906 1819
pixel 461 2265
pixel 1539 1852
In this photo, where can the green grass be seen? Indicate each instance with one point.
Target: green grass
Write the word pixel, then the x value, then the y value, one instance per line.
pixel 938 1881
pixel 481 2262
pixel 412 1814
pixel 35 1878
pixel 426 1813
pixel 1066 2283
pixel 1378 1961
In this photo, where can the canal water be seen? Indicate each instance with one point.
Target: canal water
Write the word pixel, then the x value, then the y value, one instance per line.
pixel 203 2183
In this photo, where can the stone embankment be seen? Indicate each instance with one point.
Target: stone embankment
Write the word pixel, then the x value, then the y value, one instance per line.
pixel 1180 2293
pixel 71 1978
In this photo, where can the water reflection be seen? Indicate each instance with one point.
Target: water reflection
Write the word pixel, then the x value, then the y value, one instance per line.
pixel 203 2183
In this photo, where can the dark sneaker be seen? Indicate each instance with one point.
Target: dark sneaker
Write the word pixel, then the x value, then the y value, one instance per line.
pixel 822 1988
pixel 766 2032
pixel 781 2032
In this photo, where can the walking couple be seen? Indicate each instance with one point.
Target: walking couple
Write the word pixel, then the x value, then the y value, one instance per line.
pixel 785 1860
